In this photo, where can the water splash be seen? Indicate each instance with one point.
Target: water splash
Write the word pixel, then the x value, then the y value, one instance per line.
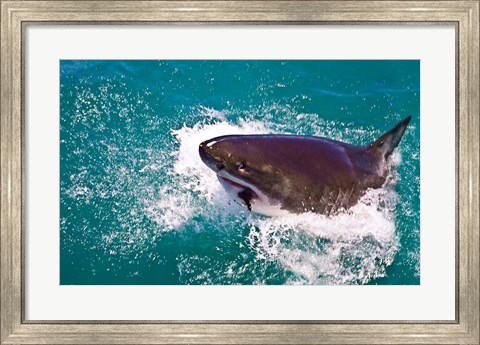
pixel 350 248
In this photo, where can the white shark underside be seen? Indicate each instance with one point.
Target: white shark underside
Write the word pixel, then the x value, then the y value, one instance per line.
pixel 260 203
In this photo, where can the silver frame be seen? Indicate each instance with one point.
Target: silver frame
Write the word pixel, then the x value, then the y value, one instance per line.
pixel 15 15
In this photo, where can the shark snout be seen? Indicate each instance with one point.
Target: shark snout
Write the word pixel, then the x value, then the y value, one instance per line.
pixel 206 154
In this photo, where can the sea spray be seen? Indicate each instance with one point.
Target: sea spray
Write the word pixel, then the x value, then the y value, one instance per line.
pixel 352 247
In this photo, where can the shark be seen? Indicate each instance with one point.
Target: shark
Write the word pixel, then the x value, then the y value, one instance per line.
pixel 282 174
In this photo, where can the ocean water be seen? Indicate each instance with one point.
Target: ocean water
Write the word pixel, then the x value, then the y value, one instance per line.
pixel 137 205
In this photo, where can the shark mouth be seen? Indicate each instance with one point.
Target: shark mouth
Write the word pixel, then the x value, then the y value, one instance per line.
pixel 249 195
pixel 243 192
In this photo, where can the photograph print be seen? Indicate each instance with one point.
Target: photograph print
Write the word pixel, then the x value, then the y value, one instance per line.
pixel 239 172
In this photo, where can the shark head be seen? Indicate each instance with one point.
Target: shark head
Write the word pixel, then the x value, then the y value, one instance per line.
pixel 243 169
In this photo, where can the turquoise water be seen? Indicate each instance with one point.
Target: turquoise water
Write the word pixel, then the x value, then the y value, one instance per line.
pixel 137 205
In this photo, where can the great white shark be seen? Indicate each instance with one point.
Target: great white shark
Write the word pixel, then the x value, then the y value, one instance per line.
pixel 274 174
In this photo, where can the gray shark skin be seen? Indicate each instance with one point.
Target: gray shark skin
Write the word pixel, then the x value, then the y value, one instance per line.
pixel 284 174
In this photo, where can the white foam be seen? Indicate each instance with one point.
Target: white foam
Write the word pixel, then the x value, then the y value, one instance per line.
pixel 365 233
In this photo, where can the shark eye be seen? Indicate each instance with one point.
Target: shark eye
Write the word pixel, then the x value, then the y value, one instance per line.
pixel 380 144
pixel 241 166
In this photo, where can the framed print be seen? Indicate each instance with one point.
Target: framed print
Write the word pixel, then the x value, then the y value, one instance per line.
pixel 239 172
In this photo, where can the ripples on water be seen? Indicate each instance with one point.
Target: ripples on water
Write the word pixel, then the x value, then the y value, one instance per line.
pixel 139 207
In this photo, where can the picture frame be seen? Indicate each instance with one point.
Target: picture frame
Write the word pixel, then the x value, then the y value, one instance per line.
pixel 16 15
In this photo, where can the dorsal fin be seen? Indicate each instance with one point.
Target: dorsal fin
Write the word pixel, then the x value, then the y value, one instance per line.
pixel 384 146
